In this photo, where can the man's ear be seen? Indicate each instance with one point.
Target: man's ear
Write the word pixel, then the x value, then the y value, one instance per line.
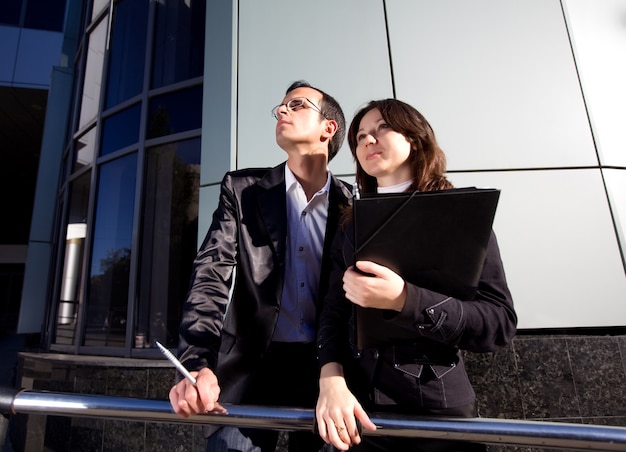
pixel 330 129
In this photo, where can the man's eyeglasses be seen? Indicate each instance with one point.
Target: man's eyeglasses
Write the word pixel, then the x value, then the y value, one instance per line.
pixel 296 104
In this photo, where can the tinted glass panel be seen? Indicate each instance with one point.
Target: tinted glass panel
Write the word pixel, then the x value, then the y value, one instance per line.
pixel 169 239
pixel 10 12
pixel 127 51
pixel 175 112
pixel 45 14
pixel 178 42
pixel 73 261
pixel 105 319
pixel 120 130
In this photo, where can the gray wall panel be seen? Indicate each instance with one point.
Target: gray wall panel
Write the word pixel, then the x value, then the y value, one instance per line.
pixel 497 79
pixel 598 34
pixel 615 180
pixel 558 247
pixel 338 46
pixel 219 109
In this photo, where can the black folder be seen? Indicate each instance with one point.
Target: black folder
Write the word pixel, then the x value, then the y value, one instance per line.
pixel 436 240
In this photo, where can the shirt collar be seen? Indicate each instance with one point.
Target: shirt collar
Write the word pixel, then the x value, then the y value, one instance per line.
pixel 291 182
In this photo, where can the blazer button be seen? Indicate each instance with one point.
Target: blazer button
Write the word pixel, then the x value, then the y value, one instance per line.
pixel 376 354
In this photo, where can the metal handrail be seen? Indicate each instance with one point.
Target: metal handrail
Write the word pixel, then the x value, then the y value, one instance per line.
pixel 483 430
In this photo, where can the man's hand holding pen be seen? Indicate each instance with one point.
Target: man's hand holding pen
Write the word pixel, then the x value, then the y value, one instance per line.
pixel 187 399
pixel 196 393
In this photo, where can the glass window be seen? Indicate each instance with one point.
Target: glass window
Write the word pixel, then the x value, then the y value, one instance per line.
pixel 169 239
pixel 98 6
pixel 92 84
pixel 107 300
pixel 120 130
pixel 175 112
pixel 73 260
pixel 127 51
pixel 10 12
pixel 178 42
pixel 85 149
pixel 45 14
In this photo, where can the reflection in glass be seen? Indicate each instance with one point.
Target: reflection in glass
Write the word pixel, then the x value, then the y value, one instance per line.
pixel 85 149
pixel 98 5
pixel 175 112
pixel 93 75
pixel 107 300
pixel 69 297
pixel 120 130
pixel 127 51
pixel 76 233
pixel 169 238
pixel 178 42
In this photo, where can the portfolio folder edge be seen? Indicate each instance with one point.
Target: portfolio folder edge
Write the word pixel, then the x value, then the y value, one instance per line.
pixel 436 240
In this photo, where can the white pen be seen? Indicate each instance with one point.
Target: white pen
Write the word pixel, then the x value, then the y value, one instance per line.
pixel 177 363
pixel 356 194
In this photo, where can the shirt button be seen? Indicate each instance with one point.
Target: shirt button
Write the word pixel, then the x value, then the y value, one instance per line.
pixel 303 213
pixel 301 249
pixel 301 284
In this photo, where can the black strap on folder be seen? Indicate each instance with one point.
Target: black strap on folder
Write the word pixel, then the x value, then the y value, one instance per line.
pixel 382 226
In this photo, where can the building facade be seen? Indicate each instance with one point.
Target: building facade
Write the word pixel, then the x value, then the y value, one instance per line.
pixel 151 102
pixel 32 34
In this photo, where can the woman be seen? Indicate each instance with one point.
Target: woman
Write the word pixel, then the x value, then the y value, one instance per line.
pixel 396 151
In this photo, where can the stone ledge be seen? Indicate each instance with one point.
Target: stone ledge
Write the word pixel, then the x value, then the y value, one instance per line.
pixel 100 361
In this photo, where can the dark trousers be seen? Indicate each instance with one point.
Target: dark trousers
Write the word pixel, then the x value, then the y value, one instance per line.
pixel 288 377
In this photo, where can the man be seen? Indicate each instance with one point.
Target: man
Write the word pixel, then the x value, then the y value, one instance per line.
pixel 275 225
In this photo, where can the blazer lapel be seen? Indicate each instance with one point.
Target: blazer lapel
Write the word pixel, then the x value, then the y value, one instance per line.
pixel 273 208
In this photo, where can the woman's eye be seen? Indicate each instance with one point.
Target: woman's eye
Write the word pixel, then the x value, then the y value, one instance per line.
pixel 360 137
pixel 383 126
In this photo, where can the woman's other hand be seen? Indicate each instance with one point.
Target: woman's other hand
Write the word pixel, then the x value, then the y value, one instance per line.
pixel 338 410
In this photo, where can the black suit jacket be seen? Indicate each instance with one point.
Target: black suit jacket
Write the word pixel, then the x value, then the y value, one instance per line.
pixel 248 231
pixel 425 372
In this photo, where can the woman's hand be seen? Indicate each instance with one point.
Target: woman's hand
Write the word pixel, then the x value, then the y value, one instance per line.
pixel 381 288
pixel 337 410
pixel 187 399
